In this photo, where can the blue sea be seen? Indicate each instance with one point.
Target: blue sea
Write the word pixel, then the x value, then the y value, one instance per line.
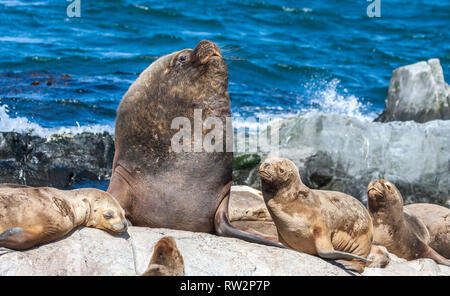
pixel 62 74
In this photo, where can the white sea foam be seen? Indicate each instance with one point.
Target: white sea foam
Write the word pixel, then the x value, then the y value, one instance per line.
pixel 325 97
pixel 23 125
pixel 328 99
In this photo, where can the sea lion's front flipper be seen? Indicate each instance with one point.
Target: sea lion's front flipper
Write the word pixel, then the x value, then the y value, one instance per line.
pixel 428 252
pixel 17 238
pixel 223 226
pixel 325 248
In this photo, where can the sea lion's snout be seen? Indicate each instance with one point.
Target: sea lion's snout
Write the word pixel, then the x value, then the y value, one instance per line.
pixel 205 50
pixel 264 172
pixel 121 226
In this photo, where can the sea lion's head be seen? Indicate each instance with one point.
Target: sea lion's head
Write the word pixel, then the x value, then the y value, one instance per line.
pixel 105 211
pixel 188 74
pixel 383 197
pixel 166 259
pixel 277 171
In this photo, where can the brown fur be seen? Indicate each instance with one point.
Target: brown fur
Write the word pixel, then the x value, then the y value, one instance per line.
pixel 316 222
pixel 156 186
pixel 159 187
pixel 33 216
pixel 166 260
pixel 437 220
pixel 399 230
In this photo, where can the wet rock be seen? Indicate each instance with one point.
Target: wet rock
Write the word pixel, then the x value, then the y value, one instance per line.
pixel 58 161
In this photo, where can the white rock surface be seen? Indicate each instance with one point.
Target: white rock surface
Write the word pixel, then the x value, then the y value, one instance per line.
pixel 88 251
pixel 417 92
pixel 337 152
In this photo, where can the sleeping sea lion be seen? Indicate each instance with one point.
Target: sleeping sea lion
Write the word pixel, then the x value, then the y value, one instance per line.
pixel 162 186
pixel 400 231
pixel 330 224
pixel 33 216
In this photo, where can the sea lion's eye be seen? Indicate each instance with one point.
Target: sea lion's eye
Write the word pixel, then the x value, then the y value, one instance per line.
pixel 182 58
pixel 108 215
pixel 388 186
pixel 281 170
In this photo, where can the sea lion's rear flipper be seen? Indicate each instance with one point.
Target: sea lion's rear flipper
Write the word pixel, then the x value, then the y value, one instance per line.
pixel 428 252
pixel 223 226
pixel 17 238
pixel 379 256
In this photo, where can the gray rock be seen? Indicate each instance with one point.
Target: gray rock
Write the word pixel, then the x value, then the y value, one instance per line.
pixel 417 92
pixel 88 251
pixel 337 152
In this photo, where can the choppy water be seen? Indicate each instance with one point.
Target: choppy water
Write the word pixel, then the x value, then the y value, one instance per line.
pixel 284 57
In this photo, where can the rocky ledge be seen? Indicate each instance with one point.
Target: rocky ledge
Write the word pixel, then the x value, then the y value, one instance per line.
pixel 88 251
pixel 337 152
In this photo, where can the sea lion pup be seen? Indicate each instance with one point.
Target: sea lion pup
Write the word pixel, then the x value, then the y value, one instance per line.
pixel 163 175
pixel 437 220
pixel 400 231
pixel 330 224
pixel 166 260
pixel 33 216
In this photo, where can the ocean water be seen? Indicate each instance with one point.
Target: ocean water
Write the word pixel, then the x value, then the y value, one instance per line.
pixel 61 74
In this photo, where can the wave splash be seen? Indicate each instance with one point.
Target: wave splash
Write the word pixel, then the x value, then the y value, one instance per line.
pixel 23 125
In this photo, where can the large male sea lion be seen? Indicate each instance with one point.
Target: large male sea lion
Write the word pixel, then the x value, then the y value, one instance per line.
pixel 437 220
pixel 400 231
pixel 156 185
pixel 33 216
pixel 329 224
pixel 166 259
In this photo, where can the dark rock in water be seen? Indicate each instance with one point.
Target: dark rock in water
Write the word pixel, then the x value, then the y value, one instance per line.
pixel 58 161
pixel 417 92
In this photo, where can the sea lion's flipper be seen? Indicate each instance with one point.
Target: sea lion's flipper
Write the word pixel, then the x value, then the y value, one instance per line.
pixel 17 238
pixel 325 248
pixel 335 255
pixel 223 226
pixel 379 256
pixel 428 252
pixel 353 265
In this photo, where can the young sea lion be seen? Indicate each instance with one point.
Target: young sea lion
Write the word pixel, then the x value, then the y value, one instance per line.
pixel 166 260
pixel 33 216
pixel 400 231
pixel 156 185
pixel 329 224
pixel 437 220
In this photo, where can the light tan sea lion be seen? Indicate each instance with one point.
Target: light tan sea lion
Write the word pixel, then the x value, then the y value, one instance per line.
pixel 166 260
pixel 33 216
pixel 330 224
pixel 156 185
pixel 400 231
pixel 437 220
